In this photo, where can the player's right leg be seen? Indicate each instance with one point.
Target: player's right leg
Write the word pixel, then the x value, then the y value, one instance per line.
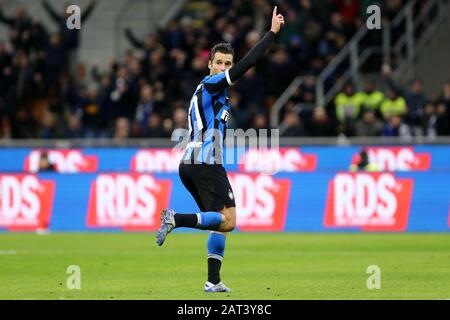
pixel 212 192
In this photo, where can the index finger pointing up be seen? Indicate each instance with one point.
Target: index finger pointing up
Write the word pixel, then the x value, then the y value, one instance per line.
pixel 274 11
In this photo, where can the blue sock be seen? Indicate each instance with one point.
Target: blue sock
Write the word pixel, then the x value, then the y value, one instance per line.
pixel 216 249
pixel 209 220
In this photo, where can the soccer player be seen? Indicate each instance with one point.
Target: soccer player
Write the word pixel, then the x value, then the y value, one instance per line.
pixel 201 169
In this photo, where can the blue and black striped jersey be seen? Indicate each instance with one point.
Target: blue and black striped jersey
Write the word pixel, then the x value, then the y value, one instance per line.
pixel 208 116
pixel 210 108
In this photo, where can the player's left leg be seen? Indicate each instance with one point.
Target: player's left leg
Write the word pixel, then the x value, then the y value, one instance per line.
pixel 216 249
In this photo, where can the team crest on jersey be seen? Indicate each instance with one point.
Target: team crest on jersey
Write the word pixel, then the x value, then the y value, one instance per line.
pixel 230 194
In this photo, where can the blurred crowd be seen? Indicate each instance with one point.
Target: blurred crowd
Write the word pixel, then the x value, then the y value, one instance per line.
pixel 393 111
pixel 146 93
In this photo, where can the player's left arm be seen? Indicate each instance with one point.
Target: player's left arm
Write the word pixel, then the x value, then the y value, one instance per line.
pixel 226 79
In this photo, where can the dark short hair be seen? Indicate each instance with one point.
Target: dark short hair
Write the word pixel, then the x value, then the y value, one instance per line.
pixel 222 47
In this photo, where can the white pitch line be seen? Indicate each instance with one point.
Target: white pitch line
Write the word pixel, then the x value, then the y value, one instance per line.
pixel 8 252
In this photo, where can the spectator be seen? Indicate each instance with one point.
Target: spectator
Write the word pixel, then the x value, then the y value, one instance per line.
pixel 94 114
pixel 291 29
pixel 20 26
pixel 369 125
pixel 321 124
pixel 443 111
pixel 349 10
pixel 167 127
pixel 442 120
pixel 251 88
pixel 393 105
pixel 70 38
pixel 150 43
pixel 291 125
pixel 124 95
pixel 122 128
pixel 55 60
pixel 260 123
pixel 395 127
pixel 372 98
pixel 429 120
pixel 72 128
pixel 5 79
pixel 145 106
pixel 348 105
pixel 180 124
pixel 38 36
pixel 180 118
pixel 22 76
pixel 415 98
pixel 44 163
pixel 280 72
pixel 363 163
pixel 154 126
pixel 50 128
pixel 444 98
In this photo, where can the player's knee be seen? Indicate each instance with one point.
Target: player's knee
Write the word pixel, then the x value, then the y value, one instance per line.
pixel 229 223
pixel 230 227
pixel 229 219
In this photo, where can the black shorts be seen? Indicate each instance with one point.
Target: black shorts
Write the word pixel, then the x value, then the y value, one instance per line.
pixel 209 186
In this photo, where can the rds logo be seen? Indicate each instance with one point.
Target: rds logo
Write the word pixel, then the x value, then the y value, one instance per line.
pixel 370 201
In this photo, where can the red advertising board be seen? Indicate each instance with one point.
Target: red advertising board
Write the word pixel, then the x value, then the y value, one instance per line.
pixel 132 202
pixel 261 201
pixel 277 160
pixel 65 161
pixel 25 202
pixel 397 159
pixel 370 201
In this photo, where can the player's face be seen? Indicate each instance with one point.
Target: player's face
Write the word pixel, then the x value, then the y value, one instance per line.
pixel 220 62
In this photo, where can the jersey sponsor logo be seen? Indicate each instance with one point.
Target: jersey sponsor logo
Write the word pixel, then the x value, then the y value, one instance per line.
pixel 277 160
pixel 370 201
pixel 65 161
pixel 157 160
pixel 397 159
pixel 195 144
pixel 225 115
pixel 25 202
pixel 261 201
pixel 130 201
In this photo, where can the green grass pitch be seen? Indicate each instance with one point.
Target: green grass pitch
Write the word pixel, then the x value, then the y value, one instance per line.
pixel 256 266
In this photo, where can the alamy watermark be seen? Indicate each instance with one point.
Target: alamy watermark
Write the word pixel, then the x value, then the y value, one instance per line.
pixel 230 148
pixel 374 20
pixel 74 279
pixel 74 20
pixel 374 280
